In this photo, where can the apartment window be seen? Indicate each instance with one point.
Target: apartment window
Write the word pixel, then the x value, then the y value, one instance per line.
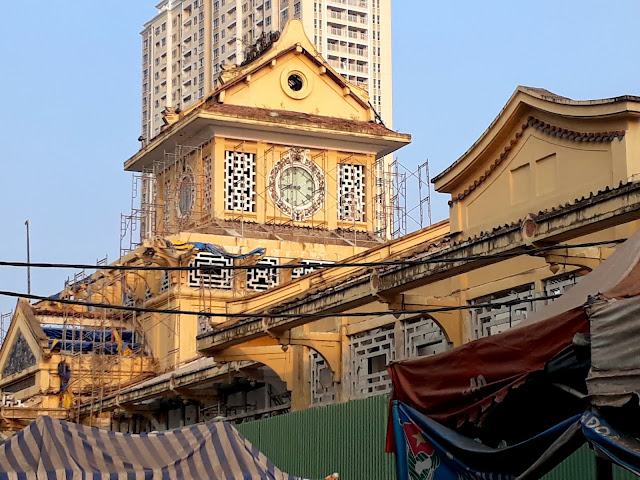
pixel 215 38
pixel 224 32
pixel 157 61
pixel 157 30
pixel 157 75
pixel 201 92
pixel 145 43
pixel 267 5
pixel 216 23
pixel 267 21
pixel 195 4
pixel 285 14
pixel 174 82
pixel 174 67
pixel 201 33
pixel 201 77
pixel 144 116
pixel 201 62
pixel 157 89
pixel 296 9
pixel 216 53
pixel 145 87
pixel 175 22
pixel 216 6
pixel 195 36
pixel 164 41
pixel 146 74
pixel 145 58
pixel 195 20
pixel 245 7
pixel 222 49
pixel 156 104
pixel 244 23
pixel 173 96
pixel 164 26
pixel 223 18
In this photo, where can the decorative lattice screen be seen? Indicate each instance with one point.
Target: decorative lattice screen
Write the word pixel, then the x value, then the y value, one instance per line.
pixel 300 271
pixel 487 321
pixel 561 284
pixel 323 388
pixel 423 337
pixel 261 279
pixel 351 192
pixel 240 181
pixel 215 277
pixel 370 352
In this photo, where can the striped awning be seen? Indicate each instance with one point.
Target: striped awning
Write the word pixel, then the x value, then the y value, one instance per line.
pixel 56 449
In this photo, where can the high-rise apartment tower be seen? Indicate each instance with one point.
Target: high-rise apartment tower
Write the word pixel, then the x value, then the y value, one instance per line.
pixel 185 46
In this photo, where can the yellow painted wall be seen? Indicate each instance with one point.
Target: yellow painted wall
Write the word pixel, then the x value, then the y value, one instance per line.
pixel 321 95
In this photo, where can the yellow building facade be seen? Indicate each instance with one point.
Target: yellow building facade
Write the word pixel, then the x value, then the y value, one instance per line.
pixel 228 307
pixel 281 164
pixel 536 203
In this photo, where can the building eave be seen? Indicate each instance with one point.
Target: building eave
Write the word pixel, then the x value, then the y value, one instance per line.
pixel 521 103
pixel 597 212
pixel 204 124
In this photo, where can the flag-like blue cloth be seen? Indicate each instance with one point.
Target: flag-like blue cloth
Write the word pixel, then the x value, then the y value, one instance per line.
pixel 427 450
pixel 619 447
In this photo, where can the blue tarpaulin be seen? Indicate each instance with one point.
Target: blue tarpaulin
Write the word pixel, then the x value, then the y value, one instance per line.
pixel 620 448
pixel 213 249
pixel 427 450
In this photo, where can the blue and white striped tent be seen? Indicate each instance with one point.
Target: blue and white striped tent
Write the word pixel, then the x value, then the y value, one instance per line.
pixel 55 449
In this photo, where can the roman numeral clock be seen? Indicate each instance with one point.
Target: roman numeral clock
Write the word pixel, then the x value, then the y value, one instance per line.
pixel 297 185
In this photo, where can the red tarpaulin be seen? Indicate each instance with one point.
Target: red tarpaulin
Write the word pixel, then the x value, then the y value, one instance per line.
pixel 460 384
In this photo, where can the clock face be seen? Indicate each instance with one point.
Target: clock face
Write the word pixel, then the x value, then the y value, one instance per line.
pixel 296 185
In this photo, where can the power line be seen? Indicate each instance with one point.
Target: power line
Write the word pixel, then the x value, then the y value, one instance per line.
pixel 391 263
pixel 279 315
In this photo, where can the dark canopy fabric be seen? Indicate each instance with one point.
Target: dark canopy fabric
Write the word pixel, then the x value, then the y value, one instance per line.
pixel 58 450
pixel 427 449
pixel 461 384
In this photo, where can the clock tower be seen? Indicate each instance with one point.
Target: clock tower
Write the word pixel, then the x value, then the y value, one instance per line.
pixel 284 150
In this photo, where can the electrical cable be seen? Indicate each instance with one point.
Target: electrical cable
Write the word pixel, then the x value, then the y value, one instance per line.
pixel 277 315
pixel 390 263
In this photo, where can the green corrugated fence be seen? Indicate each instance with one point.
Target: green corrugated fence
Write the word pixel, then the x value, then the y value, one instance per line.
pixel 348 438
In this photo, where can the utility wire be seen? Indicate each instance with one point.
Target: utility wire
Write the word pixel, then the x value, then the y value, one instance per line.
pixel 390 263
pixel 278 315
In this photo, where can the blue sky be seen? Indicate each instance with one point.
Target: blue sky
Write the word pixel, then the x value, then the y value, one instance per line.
pixel 70 94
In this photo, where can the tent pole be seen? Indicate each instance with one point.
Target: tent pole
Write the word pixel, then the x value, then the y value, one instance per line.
pixel 604 468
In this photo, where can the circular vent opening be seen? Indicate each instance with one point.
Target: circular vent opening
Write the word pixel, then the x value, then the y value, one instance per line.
pixel 295 82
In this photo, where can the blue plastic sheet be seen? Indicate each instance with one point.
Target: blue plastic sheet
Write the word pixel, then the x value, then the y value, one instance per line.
pixel 620 448
pixel 207 247
pixel 427 450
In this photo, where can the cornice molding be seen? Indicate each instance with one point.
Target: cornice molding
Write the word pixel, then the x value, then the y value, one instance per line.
pixel 547 129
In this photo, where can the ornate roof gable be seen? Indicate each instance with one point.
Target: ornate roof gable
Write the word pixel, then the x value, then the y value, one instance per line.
pixel 535 108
